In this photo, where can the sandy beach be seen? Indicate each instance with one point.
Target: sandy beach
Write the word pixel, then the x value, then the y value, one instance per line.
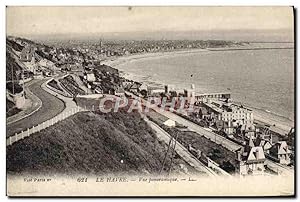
pixel 128 58
pixel 281 125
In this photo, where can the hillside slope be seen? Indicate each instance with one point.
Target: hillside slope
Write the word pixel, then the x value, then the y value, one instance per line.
pixel 94 144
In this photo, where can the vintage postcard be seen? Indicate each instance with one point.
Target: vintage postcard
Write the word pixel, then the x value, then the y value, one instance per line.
pixel 150 101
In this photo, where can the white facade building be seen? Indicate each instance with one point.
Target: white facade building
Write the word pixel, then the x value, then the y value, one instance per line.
pixel 238 114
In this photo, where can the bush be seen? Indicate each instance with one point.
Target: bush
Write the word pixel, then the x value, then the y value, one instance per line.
pixel 14 87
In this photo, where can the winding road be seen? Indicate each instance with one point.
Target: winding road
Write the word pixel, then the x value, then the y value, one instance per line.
pixel 51 106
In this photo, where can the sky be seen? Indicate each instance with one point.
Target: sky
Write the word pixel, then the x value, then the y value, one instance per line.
pixel 22 21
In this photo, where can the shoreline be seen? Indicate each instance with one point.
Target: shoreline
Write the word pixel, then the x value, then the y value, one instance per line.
pixel 128 58
pixel 124 59
pixel 266 117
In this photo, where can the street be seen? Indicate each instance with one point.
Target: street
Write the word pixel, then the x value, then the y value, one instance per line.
pixel 51 106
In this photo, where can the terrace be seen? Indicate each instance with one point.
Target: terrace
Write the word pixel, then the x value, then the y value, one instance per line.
pixel 71 86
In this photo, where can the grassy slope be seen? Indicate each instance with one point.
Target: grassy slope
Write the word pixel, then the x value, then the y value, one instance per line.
pixel 89 143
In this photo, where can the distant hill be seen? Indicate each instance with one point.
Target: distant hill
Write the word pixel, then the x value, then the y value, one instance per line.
pixel 278 35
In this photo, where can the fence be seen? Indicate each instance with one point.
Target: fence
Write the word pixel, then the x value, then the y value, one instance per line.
pixel 26 133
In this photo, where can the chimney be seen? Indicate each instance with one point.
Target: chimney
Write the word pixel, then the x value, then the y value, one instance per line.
pixel 256 154
pixel 199 153
pixel 238 155
pixel 166 89
pixel 190 147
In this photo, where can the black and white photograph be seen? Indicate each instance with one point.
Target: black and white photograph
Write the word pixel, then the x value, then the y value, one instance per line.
pixel 108 101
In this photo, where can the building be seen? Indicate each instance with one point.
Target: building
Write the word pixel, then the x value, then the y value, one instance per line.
pixel 127 83
pixel 98 90
pixel 134 87
pixel 251 160
pixel 265 132
pixel 228 128
pixel 143 89
pixel 203 113
pixel 170 123
pixel 46 63
pixel 237 113
pixel 190 94
pixel 204 97
pixel 265 144
pixel 155 92
pixel 248 131
pixel 27 54
pixel 213 110
pixel 281 152
pixel 15 94
pixel 120 91
pixel 90 77
pixel 233 116
pixel 169 88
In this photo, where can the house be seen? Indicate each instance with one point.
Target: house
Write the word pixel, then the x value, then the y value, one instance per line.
pixel 120 91
pixel 232 115
pixel 251 160
pixel 27 54
pixel 98 90
pixel 203 113
pixel 204 97
pixel 265 144
pixel 143 89
pixel 228 128
pixel 281 152
pixel 155 92
pixel 90 77
pixel 127 83
pixel 170 123
pixel 248 130
pixel 266 133
pixel 134 87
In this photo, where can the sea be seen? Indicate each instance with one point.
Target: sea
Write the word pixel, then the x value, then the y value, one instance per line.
pixel 262 79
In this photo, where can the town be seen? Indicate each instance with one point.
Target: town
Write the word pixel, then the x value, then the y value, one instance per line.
pixel 217 134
